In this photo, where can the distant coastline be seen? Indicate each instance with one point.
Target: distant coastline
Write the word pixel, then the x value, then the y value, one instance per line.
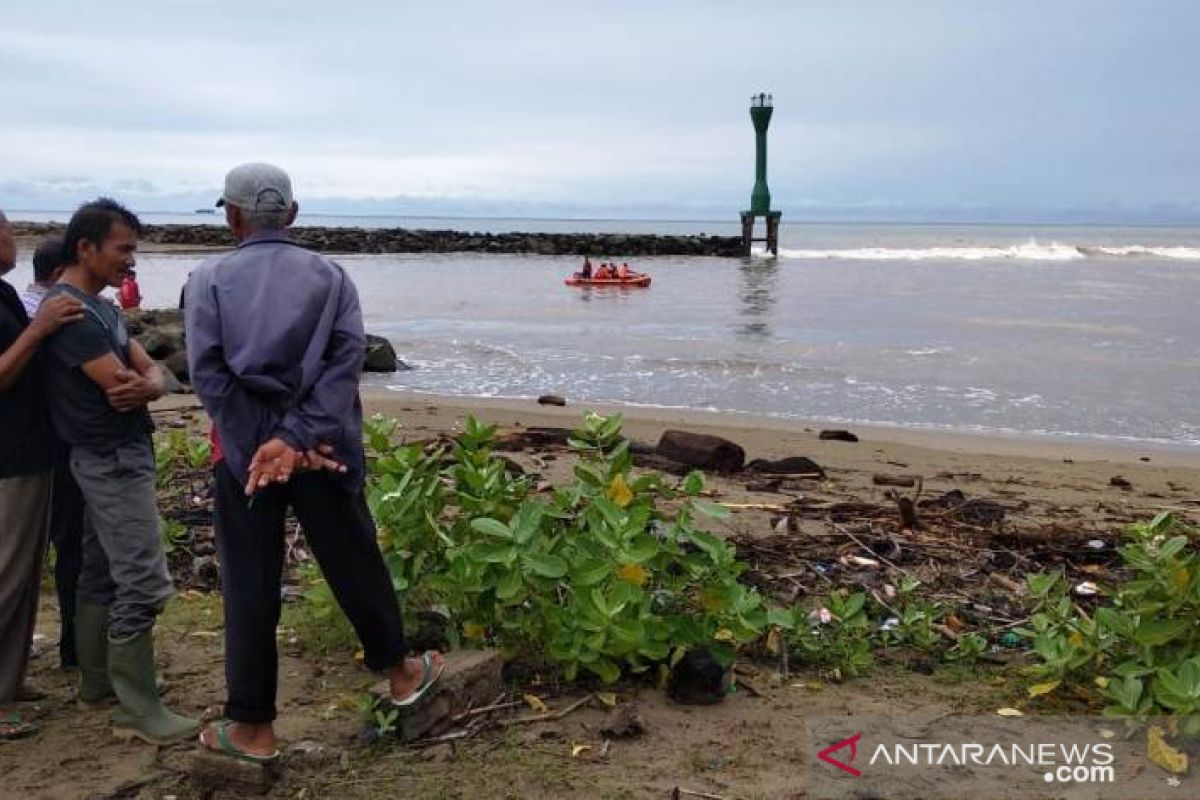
pixel 404 240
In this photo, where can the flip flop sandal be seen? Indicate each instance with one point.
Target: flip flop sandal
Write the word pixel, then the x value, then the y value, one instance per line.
pixel 226 747
pixel 429 677
pixel 12 727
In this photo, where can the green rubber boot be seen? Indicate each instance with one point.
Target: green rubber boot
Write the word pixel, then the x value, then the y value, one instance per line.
pixel 91 645
pixel 142 714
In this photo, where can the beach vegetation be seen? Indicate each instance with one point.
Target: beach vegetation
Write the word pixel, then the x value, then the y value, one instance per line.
pixel 1138 650
pixel 607 575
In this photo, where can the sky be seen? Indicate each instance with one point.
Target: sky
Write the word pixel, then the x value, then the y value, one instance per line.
pixel 1075 110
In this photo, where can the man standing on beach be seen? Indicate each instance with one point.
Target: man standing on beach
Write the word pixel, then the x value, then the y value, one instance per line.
pixel 48 263
pixel 66 507
pixel 26 462
pixel 275 350
pixel 99 383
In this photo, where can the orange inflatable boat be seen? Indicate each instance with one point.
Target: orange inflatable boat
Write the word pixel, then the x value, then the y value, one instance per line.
pixel 632 280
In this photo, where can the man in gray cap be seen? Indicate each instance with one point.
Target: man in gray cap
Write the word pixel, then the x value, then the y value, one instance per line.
pixel 275 349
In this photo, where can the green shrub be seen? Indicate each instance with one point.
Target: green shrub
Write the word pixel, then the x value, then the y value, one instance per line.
pixel 1140 649
pixel 608 574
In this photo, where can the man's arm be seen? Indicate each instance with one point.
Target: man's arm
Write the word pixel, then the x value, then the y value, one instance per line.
pixel 133 388
pixel 320 414
pixel 53 314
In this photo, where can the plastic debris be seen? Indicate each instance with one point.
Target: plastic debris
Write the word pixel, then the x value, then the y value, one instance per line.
pixel 821 616
pixel 860 561
pixel 890 623
pixel 1087 589
pixel 1096 544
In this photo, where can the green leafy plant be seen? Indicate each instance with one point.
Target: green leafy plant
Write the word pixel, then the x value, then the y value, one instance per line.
pixel 837 635
pixel 608 574
pixel 1142 647
pixel 173 534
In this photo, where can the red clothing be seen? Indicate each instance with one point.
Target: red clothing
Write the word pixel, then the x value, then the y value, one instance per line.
pixel 215 438
pixel 129 296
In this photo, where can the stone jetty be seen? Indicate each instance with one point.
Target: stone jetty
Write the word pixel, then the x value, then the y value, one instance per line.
pixel 403 240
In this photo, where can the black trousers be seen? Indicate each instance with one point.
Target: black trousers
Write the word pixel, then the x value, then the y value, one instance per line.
pixel 66 534
pixel 250 542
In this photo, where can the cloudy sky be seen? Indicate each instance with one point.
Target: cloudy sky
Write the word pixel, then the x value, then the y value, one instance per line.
pixel 1033 109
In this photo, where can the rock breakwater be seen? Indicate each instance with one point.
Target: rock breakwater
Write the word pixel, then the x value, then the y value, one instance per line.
pixel 403 240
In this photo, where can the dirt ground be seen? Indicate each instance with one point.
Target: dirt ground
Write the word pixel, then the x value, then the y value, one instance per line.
pixel 745 747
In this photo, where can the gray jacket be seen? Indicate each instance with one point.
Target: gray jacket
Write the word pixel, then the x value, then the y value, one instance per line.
pixel 275 347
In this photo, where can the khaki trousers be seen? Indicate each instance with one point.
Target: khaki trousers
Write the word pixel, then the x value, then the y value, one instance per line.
pixel 24 522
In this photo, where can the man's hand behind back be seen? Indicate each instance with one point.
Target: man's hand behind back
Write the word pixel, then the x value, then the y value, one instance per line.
pixel 275 461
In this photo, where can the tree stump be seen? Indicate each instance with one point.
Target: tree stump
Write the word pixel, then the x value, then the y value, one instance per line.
pixel 701 451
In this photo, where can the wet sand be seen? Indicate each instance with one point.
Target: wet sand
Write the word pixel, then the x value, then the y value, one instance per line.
pixel 1039 479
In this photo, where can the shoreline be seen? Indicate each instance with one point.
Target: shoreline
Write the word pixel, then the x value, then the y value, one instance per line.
pixel 653 418
pixel 1076 487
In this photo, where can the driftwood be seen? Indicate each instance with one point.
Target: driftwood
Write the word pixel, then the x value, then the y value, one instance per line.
pixel 701 450
pixel 901 481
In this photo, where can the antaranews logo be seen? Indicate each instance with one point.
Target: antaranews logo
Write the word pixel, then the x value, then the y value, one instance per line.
pixel 851 743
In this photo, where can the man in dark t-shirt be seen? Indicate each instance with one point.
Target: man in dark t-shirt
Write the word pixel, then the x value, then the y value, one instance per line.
pixel 100 382
pixel 26 459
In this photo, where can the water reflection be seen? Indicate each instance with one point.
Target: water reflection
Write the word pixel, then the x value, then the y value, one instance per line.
pixel 757 292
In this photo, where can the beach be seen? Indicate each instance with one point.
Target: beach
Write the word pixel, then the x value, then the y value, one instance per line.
pixel 1057 501
pixel 1039 481
pixel 1042 479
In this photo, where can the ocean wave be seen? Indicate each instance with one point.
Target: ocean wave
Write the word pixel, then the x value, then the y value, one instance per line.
pixel 1136 250
pixel 1029 251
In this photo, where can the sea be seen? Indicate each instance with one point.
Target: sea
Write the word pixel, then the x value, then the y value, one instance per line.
pixel 1073 332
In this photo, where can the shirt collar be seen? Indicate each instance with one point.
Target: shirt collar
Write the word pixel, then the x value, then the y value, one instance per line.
pixel 258 237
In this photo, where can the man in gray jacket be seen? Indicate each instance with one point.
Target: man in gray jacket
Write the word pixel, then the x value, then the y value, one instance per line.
pixel 275 350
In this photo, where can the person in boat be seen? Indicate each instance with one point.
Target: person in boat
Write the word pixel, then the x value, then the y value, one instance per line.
pixel 623 272
pixel 586 272
pixel 605 272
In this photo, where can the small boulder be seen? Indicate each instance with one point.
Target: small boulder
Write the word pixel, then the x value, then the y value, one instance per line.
pixel 838 436
pixel 623 722
pixel 170 383
pixel 701 450
pixel 551 400
pixel 381 356
pixel 699 679
pixel 793 465
pixel 1120 483
pixel 155 343
pixel 177 364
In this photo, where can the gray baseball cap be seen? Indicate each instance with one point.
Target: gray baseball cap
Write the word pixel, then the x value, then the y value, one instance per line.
pixel 257 187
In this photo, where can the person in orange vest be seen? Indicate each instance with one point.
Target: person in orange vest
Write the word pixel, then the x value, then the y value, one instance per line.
pixel 605 272
pixel 623 271
pixel 129 295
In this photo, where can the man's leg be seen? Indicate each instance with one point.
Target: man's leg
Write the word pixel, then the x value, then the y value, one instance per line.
pixel 66 534
pixel 250 545
pixel 24 510
pixel 119 493
pixel 95 595
pixel 339 529
pixel 122 505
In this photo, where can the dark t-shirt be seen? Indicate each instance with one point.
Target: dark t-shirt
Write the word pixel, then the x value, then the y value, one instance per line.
pixel 26 440
pixel 78 406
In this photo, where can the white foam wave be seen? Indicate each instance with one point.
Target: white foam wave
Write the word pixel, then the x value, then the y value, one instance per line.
pixel 1029 251
pixel 1185 253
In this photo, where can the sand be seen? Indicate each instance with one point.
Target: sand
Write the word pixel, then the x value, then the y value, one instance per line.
pixel 1039 478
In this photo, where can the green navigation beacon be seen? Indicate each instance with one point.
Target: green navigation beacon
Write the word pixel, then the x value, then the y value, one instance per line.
pixel 761 107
